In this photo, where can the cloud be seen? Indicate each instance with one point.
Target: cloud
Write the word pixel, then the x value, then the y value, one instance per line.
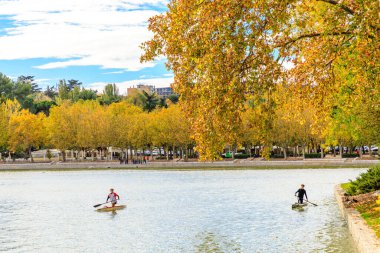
pixel 123 86
pixel 78 33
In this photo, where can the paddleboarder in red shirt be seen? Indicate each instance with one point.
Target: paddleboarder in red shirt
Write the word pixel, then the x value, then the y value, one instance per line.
pixel 113 197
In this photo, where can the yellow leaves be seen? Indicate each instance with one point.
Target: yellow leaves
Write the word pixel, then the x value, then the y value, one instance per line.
pixel 26 130
pixel 7 109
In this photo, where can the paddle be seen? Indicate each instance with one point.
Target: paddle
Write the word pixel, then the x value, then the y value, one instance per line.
pixel 311 203
pixel 101 204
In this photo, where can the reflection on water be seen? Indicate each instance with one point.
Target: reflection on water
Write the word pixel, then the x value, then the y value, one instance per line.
pixel 172 211
pixel 330 234
pixel 210 243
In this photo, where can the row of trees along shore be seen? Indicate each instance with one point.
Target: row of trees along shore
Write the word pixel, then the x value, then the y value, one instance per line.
pixel 92 126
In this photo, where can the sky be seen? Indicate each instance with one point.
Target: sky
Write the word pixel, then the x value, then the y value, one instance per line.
pixel 94 41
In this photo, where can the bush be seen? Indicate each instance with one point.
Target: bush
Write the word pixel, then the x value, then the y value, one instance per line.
pixel 366 182
pixel 314 155
pixel 241 156
pixel 277 156
pixel 349 155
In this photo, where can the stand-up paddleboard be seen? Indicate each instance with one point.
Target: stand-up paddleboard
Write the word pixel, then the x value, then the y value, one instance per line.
pixel 109 208
pixel 299 206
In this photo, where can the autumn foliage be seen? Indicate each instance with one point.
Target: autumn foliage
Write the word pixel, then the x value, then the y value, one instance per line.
pixel 227 53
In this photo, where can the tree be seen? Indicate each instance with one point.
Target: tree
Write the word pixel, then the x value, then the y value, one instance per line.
pixel 43 106
pixel 6 88
pixel 149 101
pixel 88 94
pixel 110 94
pixel 7 109
pixel 51 92
pixel 61 128
pixel 123 131
pixel 71 84
pixel 29 80
pixel 174 98
pixel 26 131
pixel 162 103
pixel 63 90
pixel 224 52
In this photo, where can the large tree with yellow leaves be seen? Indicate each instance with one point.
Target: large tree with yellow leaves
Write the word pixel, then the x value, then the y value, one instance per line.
pixel 225 52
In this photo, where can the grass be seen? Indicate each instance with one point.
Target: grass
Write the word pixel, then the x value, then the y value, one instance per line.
pixel 346 186
pixel 371 216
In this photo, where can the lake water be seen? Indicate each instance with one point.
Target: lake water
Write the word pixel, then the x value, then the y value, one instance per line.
pixel 172 211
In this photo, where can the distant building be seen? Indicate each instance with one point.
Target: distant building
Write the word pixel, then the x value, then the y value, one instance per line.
pixel 164 92
pixel 139 88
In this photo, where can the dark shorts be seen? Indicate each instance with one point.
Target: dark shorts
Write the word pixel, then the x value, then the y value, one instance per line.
pixel 300 200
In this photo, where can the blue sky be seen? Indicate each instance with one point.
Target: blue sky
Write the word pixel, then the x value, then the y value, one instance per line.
pixel 94 41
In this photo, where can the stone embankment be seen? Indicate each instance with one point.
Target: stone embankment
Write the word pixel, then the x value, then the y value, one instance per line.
pixel 364 237
pixel 246 164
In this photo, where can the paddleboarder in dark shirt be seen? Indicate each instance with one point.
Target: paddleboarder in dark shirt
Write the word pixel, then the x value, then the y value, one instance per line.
pixel 301 192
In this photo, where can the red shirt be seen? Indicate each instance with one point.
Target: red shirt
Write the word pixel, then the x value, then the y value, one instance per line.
pixel 113 196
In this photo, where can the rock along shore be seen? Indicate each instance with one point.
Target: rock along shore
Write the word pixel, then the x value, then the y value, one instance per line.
pixel 364 237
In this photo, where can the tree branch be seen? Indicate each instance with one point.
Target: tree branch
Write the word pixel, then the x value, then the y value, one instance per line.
pixel 313 35
pixel 342 6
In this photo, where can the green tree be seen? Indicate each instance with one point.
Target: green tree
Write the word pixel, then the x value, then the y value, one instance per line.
pixel 6 88
pixel 63 90
pixel 51 92
pixel 88 94
pixel 72 83
pixel 110 94
pixel 149 101
pixel 29 80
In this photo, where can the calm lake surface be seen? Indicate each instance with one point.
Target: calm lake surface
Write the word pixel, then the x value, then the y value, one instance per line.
pixel 172 211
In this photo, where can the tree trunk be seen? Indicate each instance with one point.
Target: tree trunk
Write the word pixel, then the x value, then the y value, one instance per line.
pixel 233 152
pixel 303 151
pixel 186 154
pixel 31 156
pixel 340 150
pixel 63 152
pixel 322 154
pixel 285 155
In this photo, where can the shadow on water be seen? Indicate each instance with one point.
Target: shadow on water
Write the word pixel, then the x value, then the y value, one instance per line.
pixel 113 214
pixel 211 243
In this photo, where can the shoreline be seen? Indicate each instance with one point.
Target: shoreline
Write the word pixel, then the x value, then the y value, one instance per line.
pixel 364 237
pixel 220 165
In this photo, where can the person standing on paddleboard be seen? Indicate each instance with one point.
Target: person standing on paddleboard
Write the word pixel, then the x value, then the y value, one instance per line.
pixel 301 192
pixel 113 197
